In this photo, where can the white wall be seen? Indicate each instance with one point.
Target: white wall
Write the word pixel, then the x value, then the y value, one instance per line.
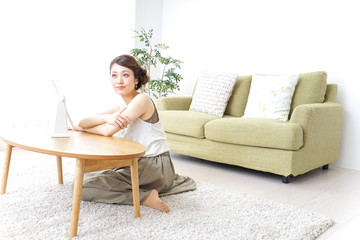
pixel 271 37
pixel 149 15
pixel 69 41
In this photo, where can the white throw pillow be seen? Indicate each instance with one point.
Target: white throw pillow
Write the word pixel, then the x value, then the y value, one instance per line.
pixel 271 96
pixel 212 93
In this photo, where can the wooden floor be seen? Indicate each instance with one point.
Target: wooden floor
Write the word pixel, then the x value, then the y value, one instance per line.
pixel 334 192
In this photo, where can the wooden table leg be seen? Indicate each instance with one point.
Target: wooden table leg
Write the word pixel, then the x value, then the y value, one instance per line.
pixel 6 168
pixel 79 177
pixel 59 169
pixel 135 186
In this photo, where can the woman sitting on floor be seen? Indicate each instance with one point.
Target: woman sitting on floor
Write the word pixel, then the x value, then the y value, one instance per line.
pixel 137 119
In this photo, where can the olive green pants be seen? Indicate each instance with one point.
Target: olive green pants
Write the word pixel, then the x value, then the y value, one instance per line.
pixel 114 185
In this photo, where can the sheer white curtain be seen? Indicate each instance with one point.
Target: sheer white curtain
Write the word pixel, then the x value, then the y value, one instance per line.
pixel 71 42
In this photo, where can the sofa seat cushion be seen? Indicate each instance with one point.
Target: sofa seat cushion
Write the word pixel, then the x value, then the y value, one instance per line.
pixel 256 132
pixel 186 123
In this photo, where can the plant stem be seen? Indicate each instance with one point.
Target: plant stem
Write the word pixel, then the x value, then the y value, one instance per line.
pixel 162 78
pixel 163 73
pixel 149 71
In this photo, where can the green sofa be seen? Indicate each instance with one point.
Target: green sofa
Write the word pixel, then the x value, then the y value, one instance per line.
pixel 308 140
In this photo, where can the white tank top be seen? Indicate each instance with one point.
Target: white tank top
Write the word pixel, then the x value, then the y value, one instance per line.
pixel 151 135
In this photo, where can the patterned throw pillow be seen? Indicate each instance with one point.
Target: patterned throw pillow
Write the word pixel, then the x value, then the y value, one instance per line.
pixel 212 93
pixel 270 96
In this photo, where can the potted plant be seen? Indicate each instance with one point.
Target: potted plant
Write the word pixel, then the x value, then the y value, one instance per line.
pixel 149 57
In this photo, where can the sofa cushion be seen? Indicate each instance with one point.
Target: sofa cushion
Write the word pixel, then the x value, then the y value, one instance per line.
pixel 311 88
pixel 237 102
pixel 212 93
pixel 256 132
pixel 186 123
pixel 270 96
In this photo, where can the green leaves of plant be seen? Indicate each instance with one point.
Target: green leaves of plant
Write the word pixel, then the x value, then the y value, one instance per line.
pixel 144 36
pixel 150 56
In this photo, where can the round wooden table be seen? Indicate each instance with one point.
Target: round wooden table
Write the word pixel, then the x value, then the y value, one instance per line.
pixel 92 153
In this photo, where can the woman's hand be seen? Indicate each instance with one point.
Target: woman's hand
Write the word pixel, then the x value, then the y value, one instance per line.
pixel 117 119
pixel 77 128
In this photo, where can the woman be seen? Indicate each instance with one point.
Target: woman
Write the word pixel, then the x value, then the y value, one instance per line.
pixel 137 120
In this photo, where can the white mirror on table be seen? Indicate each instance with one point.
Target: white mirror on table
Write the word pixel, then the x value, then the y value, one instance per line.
pixel 58 114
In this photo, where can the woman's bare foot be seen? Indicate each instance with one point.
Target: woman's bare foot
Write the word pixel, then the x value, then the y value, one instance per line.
pixel 155 202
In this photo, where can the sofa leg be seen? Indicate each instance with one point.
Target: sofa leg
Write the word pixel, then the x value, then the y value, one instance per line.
pixel 286 179
pixel 325 167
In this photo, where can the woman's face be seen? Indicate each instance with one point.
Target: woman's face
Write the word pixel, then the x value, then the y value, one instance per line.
pixel 122 79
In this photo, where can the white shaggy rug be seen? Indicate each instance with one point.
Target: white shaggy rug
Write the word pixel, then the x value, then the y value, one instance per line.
pixel 36 207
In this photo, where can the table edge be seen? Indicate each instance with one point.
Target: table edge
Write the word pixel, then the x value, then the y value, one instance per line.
pixel 73 155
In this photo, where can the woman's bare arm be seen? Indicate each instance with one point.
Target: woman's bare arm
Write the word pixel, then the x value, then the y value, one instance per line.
pixel 101 118
pixel 113 120
pixel 140 106
pixel 104 123
pixel 105 129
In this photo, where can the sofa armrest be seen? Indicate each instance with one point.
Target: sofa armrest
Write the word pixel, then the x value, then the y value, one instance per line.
pixel 174 103
pixel 321 123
